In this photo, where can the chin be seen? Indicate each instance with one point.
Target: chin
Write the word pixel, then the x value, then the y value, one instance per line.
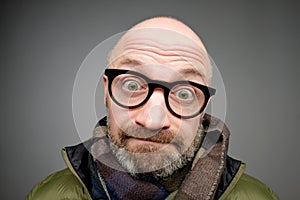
pixel 158 164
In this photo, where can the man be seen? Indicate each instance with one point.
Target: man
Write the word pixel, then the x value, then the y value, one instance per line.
pixel 156 142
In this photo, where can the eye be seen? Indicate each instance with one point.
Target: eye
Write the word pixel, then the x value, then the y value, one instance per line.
pixel 132 85
pixel 184 94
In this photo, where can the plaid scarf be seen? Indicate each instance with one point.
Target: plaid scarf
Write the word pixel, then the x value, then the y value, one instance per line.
pixel 197 180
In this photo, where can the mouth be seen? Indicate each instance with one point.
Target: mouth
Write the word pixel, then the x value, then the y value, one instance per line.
pixel 145 141
pixel 147 145
pixel 139 145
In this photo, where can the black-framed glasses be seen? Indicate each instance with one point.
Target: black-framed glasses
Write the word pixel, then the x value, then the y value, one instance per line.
pixel 130 89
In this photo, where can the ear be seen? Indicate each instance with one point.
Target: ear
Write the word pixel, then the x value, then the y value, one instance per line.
pixel 105 92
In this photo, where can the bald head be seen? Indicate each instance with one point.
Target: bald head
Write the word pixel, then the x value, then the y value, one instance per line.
pixel 165 36
pixel 171 24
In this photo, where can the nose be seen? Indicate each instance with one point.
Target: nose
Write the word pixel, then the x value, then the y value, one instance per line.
pixel 153 115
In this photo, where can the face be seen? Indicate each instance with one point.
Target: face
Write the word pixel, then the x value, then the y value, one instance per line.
pixel 149 138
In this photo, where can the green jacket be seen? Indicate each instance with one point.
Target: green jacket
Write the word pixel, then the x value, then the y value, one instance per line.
pixel 74 182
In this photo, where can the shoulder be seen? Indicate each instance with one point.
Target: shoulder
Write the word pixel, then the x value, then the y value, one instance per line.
pixel 248 187
pixel 59 185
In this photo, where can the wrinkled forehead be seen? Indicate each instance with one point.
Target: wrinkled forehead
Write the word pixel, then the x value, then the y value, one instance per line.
pixel 160 46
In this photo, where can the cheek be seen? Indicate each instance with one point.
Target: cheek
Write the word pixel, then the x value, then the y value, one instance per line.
pixel 119 117
pixel 188 130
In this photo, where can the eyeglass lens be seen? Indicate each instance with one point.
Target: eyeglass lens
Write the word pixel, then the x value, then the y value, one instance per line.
pixel 131 90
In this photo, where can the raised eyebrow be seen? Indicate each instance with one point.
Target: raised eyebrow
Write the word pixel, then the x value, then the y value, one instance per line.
pixel 131 62
pixel 191 71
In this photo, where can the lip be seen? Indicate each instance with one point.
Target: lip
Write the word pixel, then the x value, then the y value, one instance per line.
pixel 144 141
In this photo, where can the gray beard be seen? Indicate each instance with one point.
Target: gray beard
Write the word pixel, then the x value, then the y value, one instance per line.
pixel 136 164
pixel 143 163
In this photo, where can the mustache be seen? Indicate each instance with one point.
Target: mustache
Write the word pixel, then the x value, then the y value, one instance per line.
pixel 159 136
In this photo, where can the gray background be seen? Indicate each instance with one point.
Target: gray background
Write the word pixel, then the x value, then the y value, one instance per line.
pixel 254 43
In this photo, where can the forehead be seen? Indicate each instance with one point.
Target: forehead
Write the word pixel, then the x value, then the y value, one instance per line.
pixel 155 70
pixel 160 53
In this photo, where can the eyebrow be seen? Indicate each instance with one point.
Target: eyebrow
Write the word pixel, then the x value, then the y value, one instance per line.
pixel 134 62
pixel 192 71
pixel 131 62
